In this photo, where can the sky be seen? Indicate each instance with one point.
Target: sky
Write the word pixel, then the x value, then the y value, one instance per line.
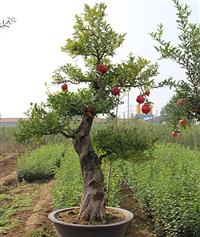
pixel 30 48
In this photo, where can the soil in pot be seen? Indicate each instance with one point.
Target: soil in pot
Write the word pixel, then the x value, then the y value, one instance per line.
pixel 71 216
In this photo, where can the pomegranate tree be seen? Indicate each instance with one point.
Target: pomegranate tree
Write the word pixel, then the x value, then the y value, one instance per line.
pixel 72 113
pixel 185 53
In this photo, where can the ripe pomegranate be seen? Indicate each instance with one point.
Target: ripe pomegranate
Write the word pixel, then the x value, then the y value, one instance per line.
pixel 140 99
pixel 146 108
pixel 102 68
pixel 174 134
pixel 180 102
pixel 115 90
pixel 182 122
pixel 64 87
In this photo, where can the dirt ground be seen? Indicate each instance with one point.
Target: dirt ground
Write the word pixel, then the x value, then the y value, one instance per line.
pixel 7 165
pixel 139 227
pixel 41 205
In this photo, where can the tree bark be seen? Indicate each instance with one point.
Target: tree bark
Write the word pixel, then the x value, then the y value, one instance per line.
pixel 93 199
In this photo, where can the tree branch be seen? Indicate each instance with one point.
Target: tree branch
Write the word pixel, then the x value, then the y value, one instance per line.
pixel 102 156
pixel 67 135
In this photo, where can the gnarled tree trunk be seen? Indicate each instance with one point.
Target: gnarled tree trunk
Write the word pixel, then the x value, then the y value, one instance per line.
pixel 93 199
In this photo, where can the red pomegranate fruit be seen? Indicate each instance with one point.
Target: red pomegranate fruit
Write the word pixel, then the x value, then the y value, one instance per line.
pixel 182 122
pixel 115 91
pixel 64 87
pixel 102 68
pixel 140 99
pixel 174 134
pixel 146 108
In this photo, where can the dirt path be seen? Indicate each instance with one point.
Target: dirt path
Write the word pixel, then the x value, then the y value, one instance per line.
pixel 139 227
pixel 7 165
pixel 36 217
pixel 41 209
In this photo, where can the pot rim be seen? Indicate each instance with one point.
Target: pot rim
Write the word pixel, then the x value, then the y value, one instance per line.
pixel 128 217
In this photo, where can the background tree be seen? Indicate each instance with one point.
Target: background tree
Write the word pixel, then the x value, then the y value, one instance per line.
pixel 72 113
pixel 187 55
pixel 6 23
pixel 171 113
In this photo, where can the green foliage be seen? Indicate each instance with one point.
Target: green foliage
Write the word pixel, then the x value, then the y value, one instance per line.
pixel 8 142
pixel 40 164
pixel 123 142
pixel 3 197
pixel 114 183
pixel 96 42
pixel 43 231
pixel 171 113
pixel 68 184
pixel 186 54
pixel 93 36
pixel 43 122
pixel 188 136
pixel 168 187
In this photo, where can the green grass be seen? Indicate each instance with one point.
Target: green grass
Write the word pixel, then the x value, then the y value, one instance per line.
pixel 17 200
pixel 43 231
pixel 8 143
pixel 40 163
pixel 4 196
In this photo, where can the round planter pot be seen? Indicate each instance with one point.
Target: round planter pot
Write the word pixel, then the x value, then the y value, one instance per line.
pixel 64 229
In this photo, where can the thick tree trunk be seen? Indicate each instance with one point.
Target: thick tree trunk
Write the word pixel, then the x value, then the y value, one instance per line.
pixel 93 199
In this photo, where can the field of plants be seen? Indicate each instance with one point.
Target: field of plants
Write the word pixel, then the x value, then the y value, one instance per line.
pixel 157 175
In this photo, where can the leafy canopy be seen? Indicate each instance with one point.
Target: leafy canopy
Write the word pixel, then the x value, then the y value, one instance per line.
pixel 95 42
pixel 186 54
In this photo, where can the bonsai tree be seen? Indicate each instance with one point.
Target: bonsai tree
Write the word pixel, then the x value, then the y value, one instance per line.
pixel 187 55
pixel 72 113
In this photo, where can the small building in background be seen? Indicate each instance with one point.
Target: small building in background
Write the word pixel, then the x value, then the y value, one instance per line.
pixel 9 122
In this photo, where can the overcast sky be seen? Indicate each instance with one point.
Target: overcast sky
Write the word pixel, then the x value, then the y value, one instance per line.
pixel 30 49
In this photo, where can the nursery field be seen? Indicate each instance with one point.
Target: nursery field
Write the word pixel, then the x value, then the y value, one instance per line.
pixel 158 181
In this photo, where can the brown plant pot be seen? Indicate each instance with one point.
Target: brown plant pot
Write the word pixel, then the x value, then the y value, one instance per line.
pixel 64 229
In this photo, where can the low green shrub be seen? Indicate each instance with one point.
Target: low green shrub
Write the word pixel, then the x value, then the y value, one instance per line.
pixel 189 137
pixel 123 142
pixel 40 163
pixel 68 182
pixel 169 188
